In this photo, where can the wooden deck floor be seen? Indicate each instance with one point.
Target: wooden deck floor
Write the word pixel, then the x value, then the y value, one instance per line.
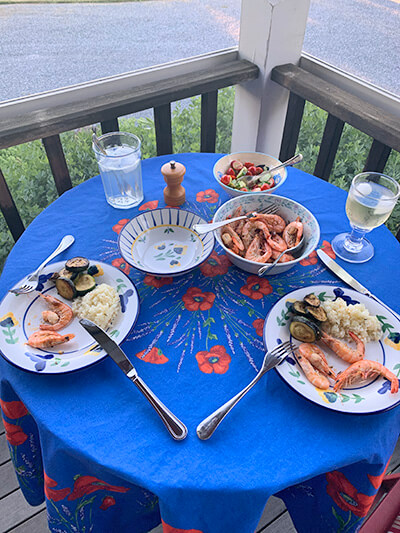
pixel 17 516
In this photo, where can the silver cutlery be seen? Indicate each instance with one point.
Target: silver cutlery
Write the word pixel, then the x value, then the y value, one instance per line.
pixel 348 278
pixel 263 270
pixel 176 428
pixel 250 181
pixel 31 282
pixel 271 359
pixel 205 228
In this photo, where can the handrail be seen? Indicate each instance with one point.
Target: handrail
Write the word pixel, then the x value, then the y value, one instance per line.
pixel 370 119
pixel 45 122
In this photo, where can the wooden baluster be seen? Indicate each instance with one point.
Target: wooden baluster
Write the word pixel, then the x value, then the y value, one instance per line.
pixel 9 210
pixel 209 103
pixel 294 116
pixel 377 157
pixel 107 126
pixel 329 145
pixel 162 121
pixel 58 165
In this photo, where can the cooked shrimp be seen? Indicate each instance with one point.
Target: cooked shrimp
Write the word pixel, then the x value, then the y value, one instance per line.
pixel 317 358
pixel 50 317
pixel 237 241
pixel 62 310
pixel 313 376
pixel 236 213
pixel 277 243
pixel 342 350
pixel 255 251
pixel 248 233
pixel 273 222
pixel 262 227
pixel 285 257
pixel 47 339
pixel 363 370
pixel 293 233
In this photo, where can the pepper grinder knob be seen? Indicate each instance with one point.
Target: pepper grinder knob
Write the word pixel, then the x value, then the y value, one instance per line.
pixel 174 193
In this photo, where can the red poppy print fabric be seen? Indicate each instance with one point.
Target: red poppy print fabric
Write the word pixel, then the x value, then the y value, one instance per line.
pixel 121 264
pixel 153 204
pixel 170 529
pixel 216 360
pixel 121 223
pixel 346 496
pixel 256 288
pixel 216 265
pixel 157 281
pixel 14 434
pixel 195 299
pixel 209 196
pixel 154 356
pixel 13 410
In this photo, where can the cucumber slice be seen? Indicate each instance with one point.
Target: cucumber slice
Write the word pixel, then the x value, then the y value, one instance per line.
pixel 84 283
pixel 65 288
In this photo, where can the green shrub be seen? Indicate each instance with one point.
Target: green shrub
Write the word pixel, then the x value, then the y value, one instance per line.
pixel 29 177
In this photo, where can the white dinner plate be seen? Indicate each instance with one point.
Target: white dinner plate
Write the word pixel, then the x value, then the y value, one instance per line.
pixel 20 316
pixel 368 397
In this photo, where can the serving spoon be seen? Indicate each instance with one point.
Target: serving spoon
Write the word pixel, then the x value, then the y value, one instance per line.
pixel 263 270
pixel 252 180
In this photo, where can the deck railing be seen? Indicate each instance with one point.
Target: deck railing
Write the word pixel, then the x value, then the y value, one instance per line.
pixel 46 116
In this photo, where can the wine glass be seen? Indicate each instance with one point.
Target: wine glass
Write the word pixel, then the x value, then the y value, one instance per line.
pixel 371 199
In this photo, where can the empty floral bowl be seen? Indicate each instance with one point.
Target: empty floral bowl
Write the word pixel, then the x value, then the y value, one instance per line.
pixel 161 242
pixel 222 166
pixel 288 209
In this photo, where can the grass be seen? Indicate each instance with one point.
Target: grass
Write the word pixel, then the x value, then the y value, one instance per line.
pixel 29 177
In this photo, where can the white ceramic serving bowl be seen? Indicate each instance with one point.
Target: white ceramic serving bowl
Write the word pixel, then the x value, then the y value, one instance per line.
pixel 289 210
pixel 161 242
pixel 222 165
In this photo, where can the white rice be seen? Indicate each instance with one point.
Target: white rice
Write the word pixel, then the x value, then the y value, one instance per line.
pixel 343 318
pixel 101 305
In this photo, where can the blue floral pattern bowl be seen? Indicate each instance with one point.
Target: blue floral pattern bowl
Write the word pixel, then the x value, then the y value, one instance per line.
pixel 161 242
pixel 288 209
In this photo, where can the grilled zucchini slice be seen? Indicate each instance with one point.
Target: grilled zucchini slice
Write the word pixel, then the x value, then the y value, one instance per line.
pixel 84 283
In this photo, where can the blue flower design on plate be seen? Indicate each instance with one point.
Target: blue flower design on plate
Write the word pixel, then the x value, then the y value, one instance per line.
pixel 42 280
pixel 178 249
pixel 161 247
pixel 7 322
pixel 39 360
pixel 385 387
pixel 123 298
pixel 339 293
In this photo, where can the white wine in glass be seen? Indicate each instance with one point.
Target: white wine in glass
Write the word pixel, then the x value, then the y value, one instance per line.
pixel 371 199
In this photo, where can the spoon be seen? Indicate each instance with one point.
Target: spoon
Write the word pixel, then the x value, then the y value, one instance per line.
pixel 292 161
pixel 96 142
pixel 266 268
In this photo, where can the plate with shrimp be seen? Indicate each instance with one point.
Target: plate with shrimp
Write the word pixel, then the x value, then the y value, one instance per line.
pixel 351 366
pixel 41 332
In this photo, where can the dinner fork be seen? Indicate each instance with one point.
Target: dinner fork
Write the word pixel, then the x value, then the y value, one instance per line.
pixel 271 359
pixel 205 228
pixel 32 281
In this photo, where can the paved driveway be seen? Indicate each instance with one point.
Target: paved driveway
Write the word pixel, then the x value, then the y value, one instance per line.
pixel 44 46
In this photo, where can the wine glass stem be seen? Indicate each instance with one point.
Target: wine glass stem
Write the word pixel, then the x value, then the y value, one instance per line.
pixel 354 241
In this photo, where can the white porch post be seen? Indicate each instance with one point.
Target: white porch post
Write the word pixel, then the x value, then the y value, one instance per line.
pixel 271 34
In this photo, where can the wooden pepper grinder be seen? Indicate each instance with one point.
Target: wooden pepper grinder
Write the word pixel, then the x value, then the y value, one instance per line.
pixel 174 193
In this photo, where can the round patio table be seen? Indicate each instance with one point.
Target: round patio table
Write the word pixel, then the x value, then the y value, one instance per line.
pixel 90 444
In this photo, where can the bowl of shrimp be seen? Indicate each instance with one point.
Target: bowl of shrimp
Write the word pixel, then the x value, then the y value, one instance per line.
pixel 256 241
pixel 234 173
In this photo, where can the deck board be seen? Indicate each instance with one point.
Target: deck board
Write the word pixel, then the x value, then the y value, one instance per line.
pixel 4 453
pixel 14 510
pixel 8 479
pixel 36 524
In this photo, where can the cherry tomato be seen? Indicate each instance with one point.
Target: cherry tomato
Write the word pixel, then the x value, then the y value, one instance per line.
pixel 226 179
pixel 231 172
pixel 256 189
pixel 244 189
pixel 265 186
pixel 248 165
pixel 252 170
pixel 259 170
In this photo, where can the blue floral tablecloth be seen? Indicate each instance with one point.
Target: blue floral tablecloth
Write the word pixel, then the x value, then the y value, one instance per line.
pixel 90 445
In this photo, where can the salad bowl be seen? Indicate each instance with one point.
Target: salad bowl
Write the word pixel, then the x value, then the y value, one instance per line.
pixel 162 242
pixel 288 209
pixel 257 158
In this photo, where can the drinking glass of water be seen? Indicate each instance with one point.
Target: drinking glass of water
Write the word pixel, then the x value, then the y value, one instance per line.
pixel 119 159
pixel 371 199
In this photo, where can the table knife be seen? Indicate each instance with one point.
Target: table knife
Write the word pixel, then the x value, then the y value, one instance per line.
pixel 175 427
pixel 347 278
